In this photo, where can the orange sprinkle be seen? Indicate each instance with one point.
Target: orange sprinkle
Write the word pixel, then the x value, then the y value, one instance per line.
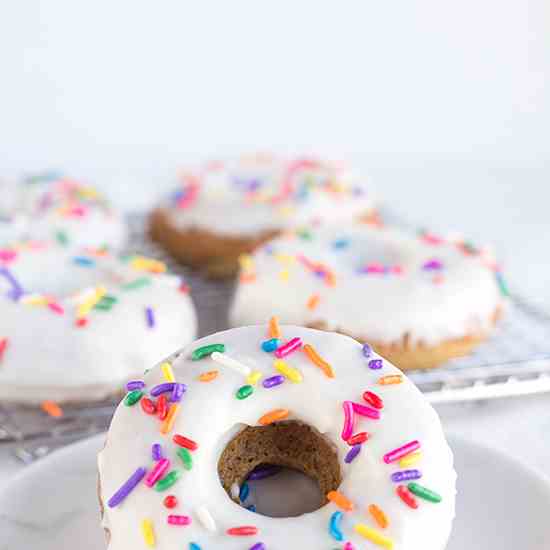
pixel 247 278
pixel 313 301
pixel 52 408
pixel 209 376
pixel 379 516
pixel 168 423
pixel 340 500
pixel 330 278
pixel 274 329
pixel 273 416
pixel 317 360
pixel 391 379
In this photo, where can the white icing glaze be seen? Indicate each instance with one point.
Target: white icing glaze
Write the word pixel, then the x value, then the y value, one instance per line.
pixel 49 357
pixel 250 195
pixel 211 415
pixel 431 305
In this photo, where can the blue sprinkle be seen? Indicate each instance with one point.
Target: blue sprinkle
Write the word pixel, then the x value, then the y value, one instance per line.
pixel 83 261
pixel 251 508
pixel 271 345
pixel 244 492
pixel 341 243
pixel 334 526
pixel 194 546
pixel 375 364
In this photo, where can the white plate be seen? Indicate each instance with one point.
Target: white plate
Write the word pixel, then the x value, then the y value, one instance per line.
pixel 52 505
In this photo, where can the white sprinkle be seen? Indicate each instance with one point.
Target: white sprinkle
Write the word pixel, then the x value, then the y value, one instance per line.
pixel 206 518
pixel 227 361
pixel 235 491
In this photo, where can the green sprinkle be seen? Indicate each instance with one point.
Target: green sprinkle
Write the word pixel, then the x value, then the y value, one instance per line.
pixel 186 458
pixel 106 303
pixel 140 282
pixel 133 397
pixel 167 481
pixel 423 492
pixel 503 287
pixel 304 234
pixel 244 392
pixel 62 238
pixel 205 351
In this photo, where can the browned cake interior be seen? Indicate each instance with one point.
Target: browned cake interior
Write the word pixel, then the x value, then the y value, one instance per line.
pixel 290 444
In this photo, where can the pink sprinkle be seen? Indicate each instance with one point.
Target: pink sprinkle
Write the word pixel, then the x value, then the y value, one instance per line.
pixel 347 432
pixel 375 268
pixel 433 264
pixel 157 472
pixel 432 239
pixel 179 520
pixel 7 255
pixel 363 410
pixel 400 452
pixel 288 348
pixel 396 269
pixel 349 546
pixel 56 308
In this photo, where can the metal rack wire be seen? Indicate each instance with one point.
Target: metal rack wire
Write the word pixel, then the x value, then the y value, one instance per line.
pixel 515 361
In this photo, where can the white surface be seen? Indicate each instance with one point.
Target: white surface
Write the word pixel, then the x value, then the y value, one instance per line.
pixel 53 504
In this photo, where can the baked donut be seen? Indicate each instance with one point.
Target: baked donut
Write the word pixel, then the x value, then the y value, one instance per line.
pixel 225 209
pixel 417 298
pixel 53 206
pixel 257 397
pixel 76 324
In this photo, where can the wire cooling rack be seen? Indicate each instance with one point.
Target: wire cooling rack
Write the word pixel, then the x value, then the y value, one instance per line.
pixel 514 361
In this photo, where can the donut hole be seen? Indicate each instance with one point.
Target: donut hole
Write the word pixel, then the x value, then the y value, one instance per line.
pixel 309 468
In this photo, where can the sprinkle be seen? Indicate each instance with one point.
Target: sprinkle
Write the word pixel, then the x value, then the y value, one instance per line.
pixel 185 442
pixel 177 393
pixel 3 346
pixel 374 536
pixel 379 516
pixel 208 376
pixel 367 350
pixel 244 391
pixel 406 496
pixel 349 546
pixel 83 261
pixel 82 322
pixel 147 532
pixel 156 452
pixel 363 410
pixel 244 531
pixel 206 518
pixel 162 407
pixel 317 360
pixel 294 375
pixel 352 454
pixel 271 345
pixel 168 481
pixel 313 301
pixel 85 307
pixel 165 387
pixel 273 381
pixel 424 492
pixel 235 490
pixel 253 377
pixel 205 351
pixel 263 472
pixel 61 237
pixel 406 475
pixel 148 406
pixel 157 472
pixel 334 526
pixel 259 546
pixel 194 546
pixel 170 502
pixel 274 329
pixel 390 379
pixel 150 317
pixel 127 488
pixel 358 438
pixel 273 416
pixel 502 286
pixel 251 508
pixel 375 364
pixel 231 363
pixel 347 431
pixel 135 385
pixel 373 400
pixel 288 348
pixel 167 372
pixel 178 520
pixel 244 492
pixel 56 308
pixel 133 397
pixel 284 275
pixel 432 265
pixel 340 500
pixel 168 423
pixel 52 409
pixel 137 283
pixel 410 460
pixel 400 452
pixel 141 263
pixel 186 458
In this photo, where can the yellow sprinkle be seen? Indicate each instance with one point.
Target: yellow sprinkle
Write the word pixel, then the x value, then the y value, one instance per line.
pixel 374 536
pixel 167 372
pixel 141 263
pixel 85 307
pixel 284 275
pixel 246 262
pixel 294 375
pixel 168 423
pixel 411 459
pixel 34 300
pixel 286 211
pixel 253 377
pixel 148 533
pixel 285 259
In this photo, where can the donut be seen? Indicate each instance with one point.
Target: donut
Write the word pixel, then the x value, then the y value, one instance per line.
pixel 258 397
pixel 418 299
pixel 76 214
pixel 76 324
pixel 224 209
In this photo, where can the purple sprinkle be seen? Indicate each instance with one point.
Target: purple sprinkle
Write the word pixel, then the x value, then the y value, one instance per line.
pixel 135 385
pixel 367 350
pixel 156 451
pixel 17 290
pixel 406 475
pixel 150 316
pixel 127 488
pixel 352 453
pixel 263 472
pixel 432 265
pixel 273 381
pixel 177 393
pixel 162 388
pixel 375 364
pixel 258 546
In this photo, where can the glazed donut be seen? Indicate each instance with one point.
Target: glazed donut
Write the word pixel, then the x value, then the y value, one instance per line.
pixel 258 397
pixel 417 298
pixel 224 209
pixel 57 207
pixel 75 325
